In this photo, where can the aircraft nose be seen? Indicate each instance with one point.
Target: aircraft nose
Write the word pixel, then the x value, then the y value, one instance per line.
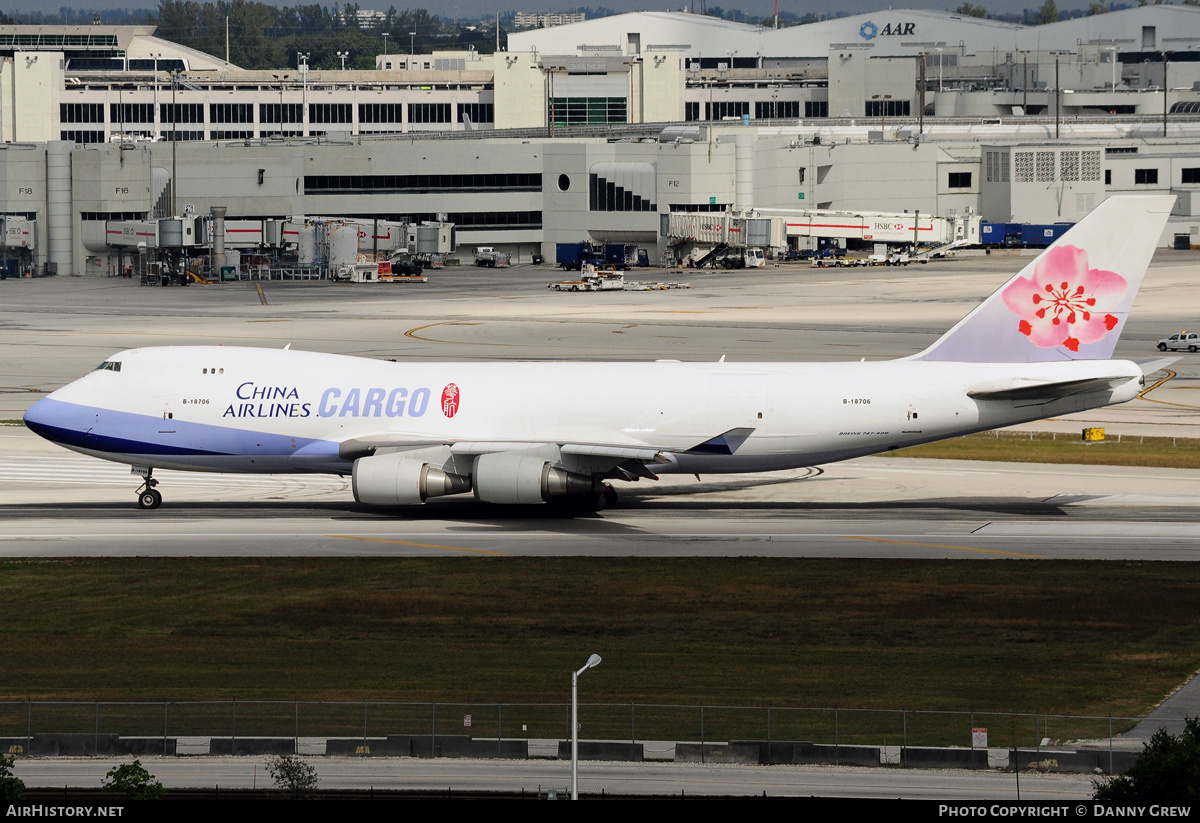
pixel 56 421
pixel 35 418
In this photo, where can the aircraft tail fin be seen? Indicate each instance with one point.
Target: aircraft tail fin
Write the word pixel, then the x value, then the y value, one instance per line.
pixel 1071 301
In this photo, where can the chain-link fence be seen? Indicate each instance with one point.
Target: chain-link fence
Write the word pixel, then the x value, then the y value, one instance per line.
pixel 630 722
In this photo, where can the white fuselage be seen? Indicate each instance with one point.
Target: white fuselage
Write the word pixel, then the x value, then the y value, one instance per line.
pixel 276 411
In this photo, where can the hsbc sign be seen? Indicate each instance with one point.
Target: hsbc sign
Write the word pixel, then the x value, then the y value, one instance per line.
pixel 885 230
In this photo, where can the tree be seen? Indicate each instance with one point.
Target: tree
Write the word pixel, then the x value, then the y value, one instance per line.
pixel 1098 7
pixel 1167 771
pixel 297 779
pixel 133 781
pixel 12 788
pixel 1048 13
pixel 968 10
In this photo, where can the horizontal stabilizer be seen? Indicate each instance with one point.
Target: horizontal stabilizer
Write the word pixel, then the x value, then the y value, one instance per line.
pixel 1154 364
pixel 725 443
pixel 1045 391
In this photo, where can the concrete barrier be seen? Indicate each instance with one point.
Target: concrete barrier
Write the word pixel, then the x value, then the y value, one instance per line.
pixel 147 745
pixel 251 745
pixel 366 747
pixel 750 753
pixel 658 750
pixel 62 745
pixel 602 750
pixel 543 748
pixel 919 757
pixel 822 754
pixel 485 749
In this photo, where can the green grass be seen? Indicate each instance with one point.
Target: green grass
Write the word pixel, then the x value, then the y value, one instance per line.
pixel 1079 638
pixel 1045 447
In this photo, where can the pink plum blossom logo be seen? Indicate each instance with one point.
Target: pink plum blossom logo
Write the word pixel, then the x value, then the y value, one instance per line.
pixel 1065 303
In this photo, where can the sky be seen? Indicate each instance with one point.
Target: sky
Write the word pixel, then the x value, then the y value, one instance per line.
pixel 482 8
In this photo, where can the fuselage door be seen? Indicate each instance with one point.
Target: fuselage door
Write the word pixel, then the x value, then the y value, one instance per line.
pixel 167 424
pixel 912 420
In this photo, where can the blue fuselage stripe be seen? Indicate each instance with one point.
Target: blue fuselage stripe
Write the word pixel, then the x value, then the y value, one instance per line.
pixel 105 430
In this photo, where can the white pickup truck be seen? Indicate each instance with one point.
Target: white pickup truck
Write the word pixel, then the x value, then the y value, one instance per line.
pixel 1184 340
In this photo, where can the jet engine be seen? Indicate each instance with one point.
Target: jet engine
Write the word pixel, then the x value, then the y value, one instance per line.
pixel 512 478
pixel 398 479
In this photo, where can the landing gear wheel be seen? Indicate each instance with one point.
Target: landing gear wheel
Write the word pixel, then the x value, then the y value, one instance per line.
pixel 148 496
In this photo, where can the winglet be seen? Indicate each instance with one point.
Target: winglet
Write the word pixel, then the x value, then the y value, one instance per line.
pixel 1071 302
pixel 724 443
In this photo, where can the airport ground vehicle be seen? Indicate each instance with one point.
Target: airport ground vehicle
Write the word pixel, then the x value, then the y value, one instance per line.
pixel 490 258
pixel 1189 340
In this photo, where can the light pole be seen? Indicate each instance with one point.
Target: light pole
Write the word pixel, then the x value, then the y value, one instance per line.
pixel 386 35
pixel 1057 93
pixel 174 140
pixel 412 43
pixel 155 55
pixel 1166 57
pixel 302 66
pixel 282 78
pixel 1025 81
pixel 939 54
pixel 342 55
pixel 594 660
pixel 882 98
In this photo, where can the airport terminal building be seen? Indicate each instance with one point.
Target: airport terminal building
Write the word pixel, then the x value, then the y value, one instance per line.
pixel 603 129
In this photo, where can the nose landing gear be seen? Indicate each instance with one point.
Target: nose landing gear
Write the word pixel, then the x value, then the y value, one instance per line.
pixel 148 496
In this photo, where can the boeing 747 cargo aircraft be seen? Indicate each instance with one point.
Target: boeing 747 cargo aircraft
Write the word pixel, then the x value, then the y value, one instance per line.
pixel 528 432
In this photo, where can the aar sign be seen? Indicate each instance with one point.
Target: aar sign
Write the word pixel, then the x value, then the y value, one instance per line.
pixel 869 31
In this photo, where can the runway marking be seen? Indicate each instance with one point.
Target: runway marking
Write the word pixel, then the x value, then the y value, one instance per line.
pixel 1170 375
pixel 943 546
pixel 418 545
pixel 413 332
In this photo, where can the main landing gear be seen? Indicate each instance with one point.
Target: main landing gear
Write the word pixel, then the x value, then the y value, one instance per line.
pixel 148 496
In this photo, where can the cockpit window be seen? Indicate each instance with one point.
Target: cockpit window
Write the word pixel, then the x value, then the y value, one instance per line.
pixel 109 365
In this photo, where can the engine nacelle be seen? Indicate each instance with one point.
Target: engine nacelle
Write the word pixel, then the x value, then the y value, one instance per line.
pixel 518 479
pixel 400 480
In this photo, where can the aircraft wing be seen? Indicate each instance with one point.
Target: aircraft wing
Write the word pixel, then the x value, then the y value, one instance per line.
pixel 623 460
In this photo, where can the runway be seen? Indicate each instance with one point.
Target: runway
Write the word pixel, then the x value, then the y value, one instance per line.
pixel 58 504
pixel 595 777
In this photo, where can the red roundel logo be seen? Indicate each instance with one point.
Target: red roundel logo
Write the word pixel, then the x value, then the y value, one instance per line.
pixel 450 400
